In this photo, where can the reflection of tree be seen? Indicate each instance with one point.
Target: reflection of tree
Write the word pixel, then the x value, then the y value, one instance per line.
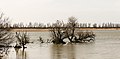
pixel 63 52
pixel 70 52
pixel 56 51
pixel 24 54
pixel 20 54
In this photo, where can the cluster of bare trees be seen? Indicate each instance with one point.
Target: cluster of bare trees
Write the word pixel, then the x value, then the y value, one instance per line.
pixel 61 31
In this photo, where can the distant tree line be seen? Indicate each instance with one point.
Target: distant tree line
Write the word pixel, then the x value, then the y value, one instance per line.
pixel 48 25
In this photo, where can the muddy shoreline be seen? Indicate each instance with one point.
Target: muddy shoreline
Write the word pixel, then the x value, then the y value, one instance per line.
pixel 45 30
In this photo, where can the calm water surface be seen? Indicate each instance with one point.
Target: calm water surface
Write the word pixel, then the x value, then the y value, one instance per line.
pixel 106 46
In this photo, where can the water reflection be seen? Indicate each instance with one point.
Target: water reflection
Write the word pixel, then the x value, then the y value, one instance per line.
pixel 63 52
pixel 20 53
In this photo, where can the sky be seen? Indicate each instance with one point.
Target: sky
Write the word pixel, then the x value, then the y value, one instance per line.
pixel 48 11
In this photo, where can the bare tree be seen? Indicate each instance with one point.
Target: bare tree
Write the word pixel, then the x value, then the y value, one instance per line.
pixel 70 28
pixel 57 32
pixel 94 25
pixel 60 30
pixel 30 24
pixel 22 38
pixel 89 24
pixel 5 35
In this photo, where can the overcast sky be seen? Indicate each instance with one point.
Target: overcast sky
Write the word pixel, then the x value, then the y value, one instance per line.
pixel 95 11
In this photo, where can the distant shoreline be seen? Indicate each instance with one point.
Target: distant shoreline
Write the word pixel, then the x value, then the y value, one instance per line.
pixel 47 29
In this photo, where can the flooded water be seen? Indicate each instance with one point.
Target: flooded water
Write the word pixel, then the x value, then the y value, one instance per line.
pixel 106 46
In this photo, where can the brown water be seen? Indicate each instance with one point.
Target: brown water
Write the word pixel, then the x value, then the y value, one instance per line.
pixel 106 46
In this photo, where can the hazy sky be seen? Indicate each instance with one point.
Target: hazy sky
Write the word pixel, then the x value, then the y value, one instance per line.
pixel 51 10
